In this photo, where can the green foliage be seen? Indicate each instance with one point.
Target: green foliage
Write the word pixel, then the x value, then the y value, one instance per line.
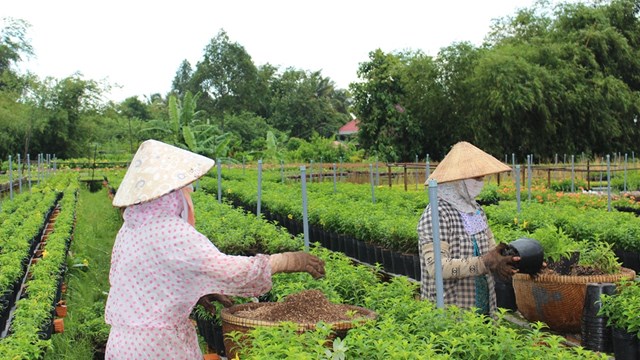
pixel 622 309
pixel 600 256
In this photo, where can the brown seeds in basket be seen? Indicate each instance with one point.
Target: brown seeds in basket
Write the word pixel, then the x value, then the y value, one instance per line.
pixel 309 306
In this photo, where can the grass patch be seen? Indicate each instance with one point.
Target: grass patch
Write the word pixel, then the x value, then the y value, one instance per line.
pixel 88 279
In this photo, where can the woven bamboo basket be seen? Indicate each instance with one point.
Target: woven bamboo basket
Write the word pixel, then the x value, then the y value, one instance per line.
pixel 558 300
pixel 231 322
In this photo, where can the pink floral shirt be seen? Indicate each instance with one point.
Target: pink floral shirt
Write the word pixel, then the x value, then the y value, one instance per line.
pixel 160 267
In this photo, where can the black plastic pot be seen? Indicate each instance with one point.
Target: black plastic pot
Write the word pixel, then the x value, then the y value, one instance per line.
pixel 596 335
pixel 371 253
pixel 409 268
pixel 531 255
pixel 362 251
pixel 416 267
pixel 625 345
pixel 387 260
pixel 505 295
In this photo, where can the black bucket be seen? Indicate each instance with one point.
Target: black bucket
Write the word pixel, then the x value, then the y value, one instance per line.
pixel 505 295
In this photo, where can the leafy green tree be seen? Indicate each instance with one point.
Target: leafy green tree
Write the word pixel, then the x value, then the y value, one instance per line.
pixel 182 81
pixel 227 78
pixel 377 104
pixel 14 46
pixel 306 102
pixel 132 107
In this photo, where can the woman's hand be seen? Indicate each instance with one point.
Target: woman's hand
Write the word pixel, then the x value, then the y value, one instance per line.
pixel 207 301
pixel 298 261
pixel 500 264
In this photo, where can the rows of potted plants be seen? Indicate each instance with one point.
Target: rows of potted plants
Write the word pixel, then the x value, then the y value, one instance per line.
pixel 406 327
pixel 391 224
pixel 19 236
pixel 33 319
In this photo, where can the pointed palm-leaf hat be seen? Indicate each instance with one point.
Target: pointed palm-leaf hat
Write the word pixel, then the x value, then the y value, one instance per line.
pixel 465 161
pixel 157 169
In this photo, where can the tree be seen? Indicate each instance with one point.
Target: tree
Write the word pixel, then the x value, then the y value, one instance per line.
pixel 182 82
pixel 227 78
pixel 132 107
pixel 305 103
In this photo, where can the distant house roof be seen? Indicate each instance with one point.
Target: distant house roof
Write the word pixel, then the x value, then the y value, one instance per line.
pixel 349 128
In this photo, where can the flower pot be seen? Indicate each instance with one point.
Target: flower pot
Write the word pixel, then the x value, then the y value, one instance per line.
pixel 58 326
pixel 409 267
pixel 531 255
pixel 349 246
pixel 625 345
pixel 362 251
pixel 596 335
pixel 505 295
pixel 61 310
pixel 387 260
pixel 371 253
pixel 416 267
pixel 211 357
pixel 558 300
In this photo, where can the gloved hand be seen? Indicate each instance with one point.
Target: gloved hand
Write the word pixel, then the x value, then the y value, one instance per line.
pixel 500 264
pixel 207 301
pixel 298 261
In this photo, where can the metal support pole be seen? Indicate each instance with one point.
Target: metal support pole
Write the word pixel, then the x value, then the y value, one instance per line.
pixel 29 170
pixel 608 183
pixel 259 188
pixel 219 168
pixel 335 187
pixel 373 193
pixel 10 178
pixel 305 215
pixel 517 173
pixel 19 175
pixel 435 226
pixel 573 174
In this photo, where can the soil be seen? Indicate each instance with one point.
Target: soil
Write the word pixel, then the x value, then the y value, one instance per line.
pixel 576 270
pixel 309 306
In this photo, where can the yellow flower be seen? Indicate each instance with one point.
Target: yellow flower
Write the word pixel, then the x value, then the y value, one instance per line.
pixel 290 217
pixel 85 262
pixel 515 220
pixel 45 253
pixel 229 191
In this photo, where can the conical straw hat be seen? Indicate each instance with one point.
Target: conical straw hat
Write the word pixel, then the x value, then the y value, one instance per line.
pixel 465 161
pixel 158 169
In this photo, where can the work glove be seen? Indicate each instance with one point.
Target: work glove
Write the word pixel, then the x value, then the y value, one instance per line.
pixel 500 264
pixel 299 261
pixel 207 301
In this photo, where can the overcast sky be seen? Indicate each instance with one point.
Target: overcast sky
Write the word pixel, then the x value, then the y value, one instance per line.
pixel 139 45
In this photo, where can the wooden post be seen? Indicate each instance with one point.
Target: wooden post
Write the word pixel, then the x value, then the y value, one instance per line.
pixel 389 172
pixel 549 178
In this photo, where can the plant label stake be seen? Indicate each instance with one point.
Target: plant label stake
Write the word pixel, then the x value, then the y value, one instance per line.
pixel 517 173
pixel 435 225
pixel 219 169
pixel 305 216
pixel 259 188
pixel 373 192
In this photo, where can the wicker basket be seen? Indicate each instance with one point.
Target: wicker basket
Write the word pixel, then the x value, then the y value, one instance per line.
pixel 231 322
pixel 558 300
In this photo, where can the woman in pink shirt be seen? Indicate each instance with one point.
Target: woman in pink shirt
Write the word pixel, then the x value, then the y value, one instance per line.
pixel 161 265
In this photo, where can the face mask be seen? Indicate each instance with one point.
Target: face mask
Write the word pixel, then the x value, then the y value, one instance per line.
pixel 474 187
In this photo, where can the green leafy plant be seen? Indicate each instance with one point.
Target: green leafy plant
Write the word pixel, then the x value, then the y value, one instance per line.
pixel 622 309
pixel 600 256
